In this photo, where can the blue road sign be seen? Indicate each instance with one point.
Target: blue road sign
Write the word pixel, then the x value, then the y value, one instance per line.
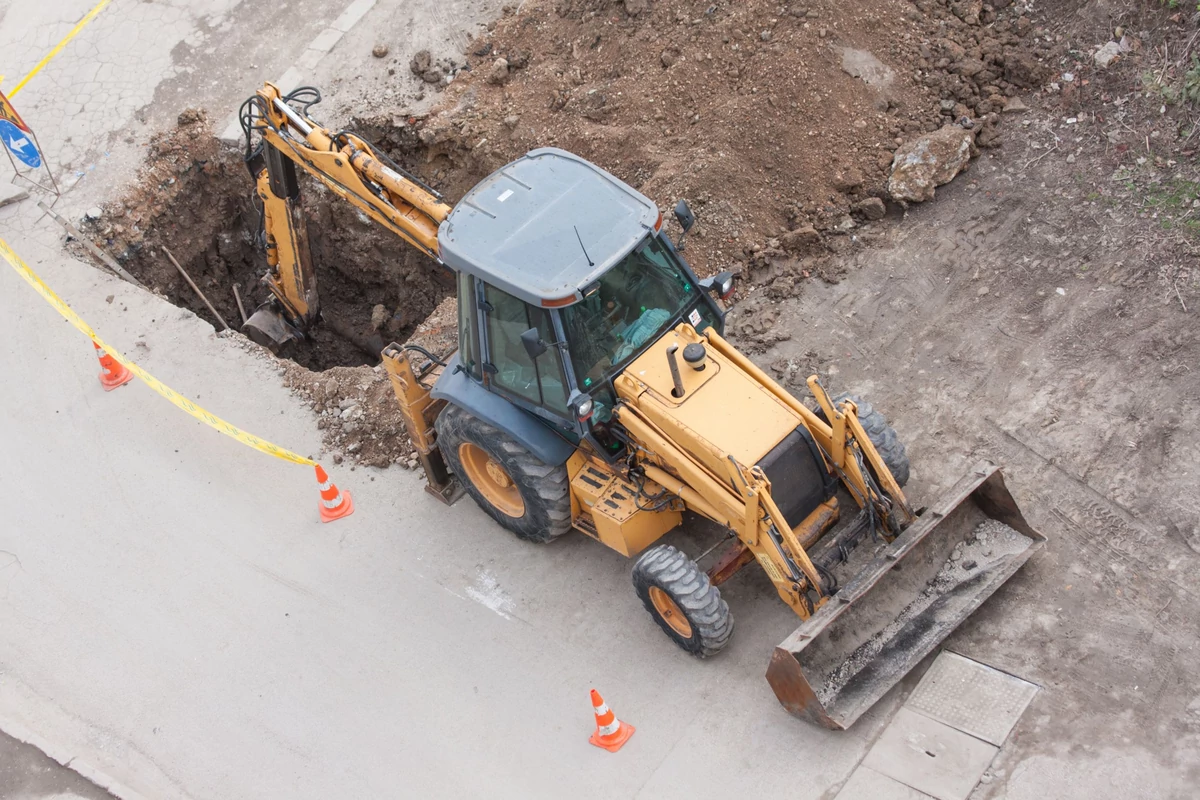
pixel 20 144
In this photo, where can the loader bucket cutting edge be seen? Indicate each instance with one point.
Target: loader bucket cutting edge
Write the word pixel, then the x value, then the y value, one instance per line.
pixel 867 637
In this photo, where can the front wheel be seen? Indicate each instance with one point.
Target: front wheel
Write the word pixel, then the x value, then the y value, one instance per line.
pixel 683 602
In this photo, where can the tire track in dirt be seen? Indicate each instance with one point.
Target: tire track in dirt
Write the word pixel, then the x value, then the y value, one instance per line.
pixel 1078 396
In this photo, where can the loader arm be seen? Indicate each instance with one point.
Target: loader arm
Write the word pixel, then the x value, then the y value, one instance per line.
pixel 714 483
pixel 349 167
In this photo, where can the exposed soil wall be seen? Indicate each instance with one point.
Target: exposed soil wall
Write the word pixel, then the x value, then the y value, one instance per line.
pixel 197 199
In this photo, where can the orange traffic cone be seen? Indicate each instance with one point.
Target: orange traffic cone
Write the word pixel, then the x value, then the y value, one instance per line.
pixel 610 733
pixel 112 372
pixel 334 504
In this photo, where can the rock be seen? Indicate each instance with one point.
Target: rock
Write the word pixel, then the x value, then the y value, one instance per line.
pixel 397 323
pixel 969 564
pixel 229 246
pixel 801 240
pixel 1106 54
pixel 420 63
pixel 94 213
pixel 1015 106
pixel 498 74
pixel 337 458
pixel 635 7
pixel 511 121
pixel 349 412
pixel 871 208
pixel 848 180
pixel 379 50
pixel 968 67
pixel 432 75
pixel 189 116
pixel 109 299
pixel 379 316
pixel 968 10
pixel 1023 69
pixel 863 65
pixel 668 57
pixel 928 162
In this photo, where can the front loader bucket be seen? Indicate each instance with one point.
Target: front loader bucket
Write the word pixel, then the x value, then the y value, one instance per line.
pixel 903 604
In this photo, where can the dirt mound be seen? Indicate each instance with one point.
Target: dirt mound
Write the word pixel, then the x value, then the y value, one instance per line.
pixel 771 120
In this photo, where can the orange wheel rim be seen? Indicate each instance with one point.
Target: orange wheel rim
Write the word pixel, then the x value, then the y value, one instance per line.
pixel 491 479
pixel 670 612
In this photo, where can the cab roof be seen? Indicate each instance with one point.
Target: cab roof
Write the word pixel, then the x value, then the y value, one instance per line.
pixel 525 227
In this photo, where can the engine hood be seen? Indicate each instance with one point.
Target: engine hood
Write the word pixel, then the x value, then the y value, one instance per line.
pixel 723 409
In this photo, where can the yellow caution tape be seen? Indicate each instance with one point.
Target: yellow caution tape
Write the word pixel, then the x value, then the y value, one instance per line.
pixel 78 27
pixel 207 417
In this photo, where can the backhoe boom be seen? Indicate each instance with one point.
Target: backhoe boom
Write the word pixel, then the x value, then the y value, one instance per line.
pixel 352 169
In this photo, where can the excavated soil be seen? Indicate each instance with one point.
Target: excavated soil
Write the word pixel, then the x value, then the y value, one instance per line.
pixel 776 122
pixel 196 199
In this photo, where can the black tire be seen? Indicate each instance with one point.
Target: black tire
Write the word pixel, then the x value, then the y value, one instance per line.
pixel 882 435
pixel 669 571
pixel 544 489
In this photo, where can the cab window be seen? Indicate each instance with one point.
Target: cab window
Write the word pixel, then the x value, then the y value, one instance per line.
pixel 468 340
pixel 539 381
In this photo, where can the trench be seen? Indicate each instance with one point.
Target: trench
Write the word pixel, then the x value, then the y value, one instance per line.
pixel 197 199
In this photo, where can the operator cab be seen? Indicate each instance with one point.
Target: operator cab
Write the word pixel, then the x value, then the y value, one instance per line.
pixel 564 277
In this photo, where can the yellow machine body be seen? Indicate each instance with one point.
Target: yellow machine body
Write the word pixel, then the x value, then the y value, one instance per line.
pixel 694 436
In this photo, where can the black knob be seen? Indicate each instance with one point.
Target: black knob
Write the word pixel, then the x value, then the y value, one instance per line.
pixel 694 355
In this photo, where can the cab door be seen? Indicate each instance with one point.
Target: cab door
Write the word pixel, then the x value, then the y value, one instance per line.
pixel 537 384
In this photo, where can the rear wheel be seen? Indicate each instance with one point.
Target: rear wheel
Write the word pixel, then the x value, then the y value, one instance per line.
pixel 515 487
pixel 683 602
pixel 882 435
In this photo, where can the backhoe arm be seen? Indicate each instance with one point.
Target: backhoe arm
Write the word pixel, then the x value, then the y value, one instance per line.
pixel 351 169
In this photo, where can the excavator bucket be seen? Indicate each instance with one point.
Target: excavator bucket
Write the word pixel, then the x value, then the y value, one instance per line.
pixel 896 610
pixel 266 326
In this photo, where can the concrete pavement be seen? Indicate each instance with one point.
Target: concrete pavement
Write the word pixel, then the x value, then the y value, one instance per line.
pixel 177 624
pixel 26 773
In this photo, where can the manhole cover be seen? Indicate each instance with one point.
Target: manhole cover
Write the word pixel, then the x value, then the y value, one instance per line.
pixel 972 697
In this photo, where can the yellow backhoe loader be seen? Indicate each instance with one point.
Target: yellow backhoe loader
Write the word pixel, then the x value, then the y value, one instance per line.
pixel 593 390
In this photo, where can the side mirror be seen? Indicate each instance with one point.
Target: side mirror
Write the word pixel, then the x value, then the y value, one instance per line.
pixel 533 343
pixel 720 284
pixel 686 220
pixel 685 216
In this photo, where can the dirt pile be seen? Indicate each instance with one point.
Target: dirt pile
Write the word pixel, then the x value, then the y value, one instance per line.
pixel 196 198
pixel 777 122
pixel 356 407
